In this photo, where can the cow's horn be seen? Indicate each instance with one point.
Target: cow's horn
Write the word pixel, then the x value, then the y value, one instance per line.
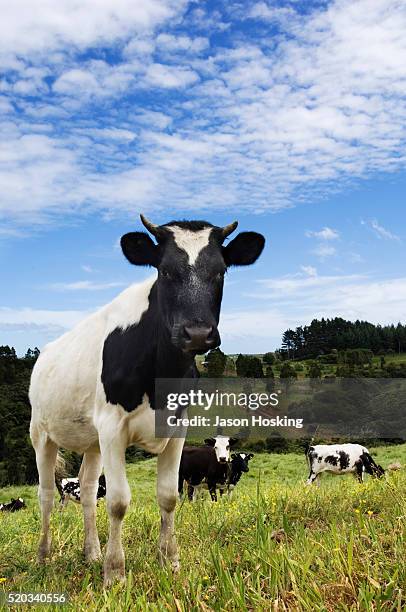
pixel 151 227
pixel 228 229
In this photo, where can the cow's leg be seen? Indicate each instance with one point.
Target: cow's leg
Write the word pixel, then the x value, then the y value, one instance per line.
pixel 45 452
pixel 90 471
pixel 212 490
pixel 190 492
pixel 359 471
pixel 312 478
pixel 167 480
pixel 63 502
pixel 118 497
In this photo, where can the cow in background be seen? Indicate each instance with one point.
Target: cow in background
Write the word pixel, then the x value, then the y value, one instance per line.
pixel 69 489
pixel 13 506
pixel 341 459
pixel 208 464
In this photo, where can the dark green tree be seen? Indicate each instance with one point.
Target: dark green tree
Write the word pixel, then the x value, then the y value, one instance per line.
pixel 216 363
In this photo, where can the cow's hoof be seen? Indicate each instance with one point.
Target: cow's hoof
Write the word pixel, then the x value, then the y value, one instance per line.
pixel 92 553
pixel 174 563
pixel 113 577
pixel 43 554
pixel 113 573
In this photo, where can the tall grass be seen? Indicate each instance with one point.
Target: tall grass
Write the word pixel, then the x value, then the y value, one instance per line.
pixel 275 545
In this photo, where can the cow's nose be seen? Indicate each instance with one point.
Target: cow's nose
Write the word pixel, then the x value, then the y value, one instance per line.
pixel 200 338
pixel 223 459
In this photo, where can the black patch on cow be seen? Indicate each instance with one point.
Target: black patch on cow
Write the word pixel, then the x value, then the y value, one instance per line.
pixel 370 466
pixel 13 506
pixel 333 459
pixel 344 459
pixel 191 226
pixel 311 455
pixel 134 357
pixel 359 469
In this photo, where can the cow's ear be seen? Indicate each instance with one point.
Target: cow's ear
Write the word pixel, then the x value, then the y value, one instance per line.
pixel 244 249
pixel 210 441
pixel 250 456
pixel 233 441
pixel 140 249
pixel 233 455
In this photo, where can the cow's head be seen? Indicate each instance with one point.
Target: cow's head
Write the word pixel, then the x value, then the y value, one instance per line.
pixel 378 471
pixel 240 461
pixel 222 447
pixel 191 260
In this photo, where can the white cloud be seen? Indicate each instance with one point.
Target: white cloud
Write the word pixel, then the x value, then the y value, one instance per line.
pixel 324 250
pixel 86 285
pixel 380 231
pixel 64 319
pixel 160 75
pixel 172 43
pixel 310 270
pixel 297 299
pixel 27 27
pixel 324 234
pixel 264 12
pixel 263 124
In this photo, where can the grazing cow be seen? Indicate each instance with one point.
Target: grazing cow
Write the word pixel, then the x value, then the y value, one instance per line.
pixel 13 506
pixel 341 459
pixel 69 489
pixel 205 465
pixel 93 390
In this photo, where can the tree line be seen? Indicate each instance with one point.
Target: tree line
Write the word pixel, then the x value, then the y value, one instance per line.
pixel 326 335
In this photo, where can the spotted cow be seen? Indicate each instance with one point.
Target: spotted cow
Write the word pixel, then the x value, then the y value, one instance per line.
pixel 69 489
pixel 341 459
pixel 93 390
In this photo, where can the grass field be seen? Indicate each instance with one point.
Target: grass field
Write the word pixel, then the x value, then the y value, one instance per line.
pixel 342 545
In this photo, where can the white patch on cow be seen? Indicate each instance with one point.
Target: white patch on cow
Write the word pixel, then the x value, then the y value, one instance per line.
pixel 191 242
pixel 64 381
pixel 222 448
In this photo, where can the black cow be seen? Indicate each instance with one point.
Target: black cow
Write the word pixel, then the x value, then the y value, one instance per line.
pixel 13 506
pixel 238 466
pixel 209 465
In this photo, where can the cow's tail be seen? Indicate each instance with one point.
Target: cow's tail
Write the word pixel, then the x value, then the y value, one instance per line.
pixel 60 472
pixel 308 446
pixel 370 466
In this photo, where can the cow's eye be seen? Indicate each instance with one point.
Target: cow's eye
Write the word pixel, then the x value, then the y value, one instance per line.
pixel 228 448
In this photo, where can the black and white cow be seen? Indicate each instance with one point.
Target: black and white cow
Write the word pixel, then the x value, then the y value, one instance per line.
pixel 341 459
pixel 69 489
pixel 205 466
pixel 238 467
pixel 13 506
pixel 92 390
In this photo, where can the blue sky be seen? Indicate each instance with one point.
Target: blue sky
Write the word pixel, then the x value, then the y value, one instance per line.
pixel 287 116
